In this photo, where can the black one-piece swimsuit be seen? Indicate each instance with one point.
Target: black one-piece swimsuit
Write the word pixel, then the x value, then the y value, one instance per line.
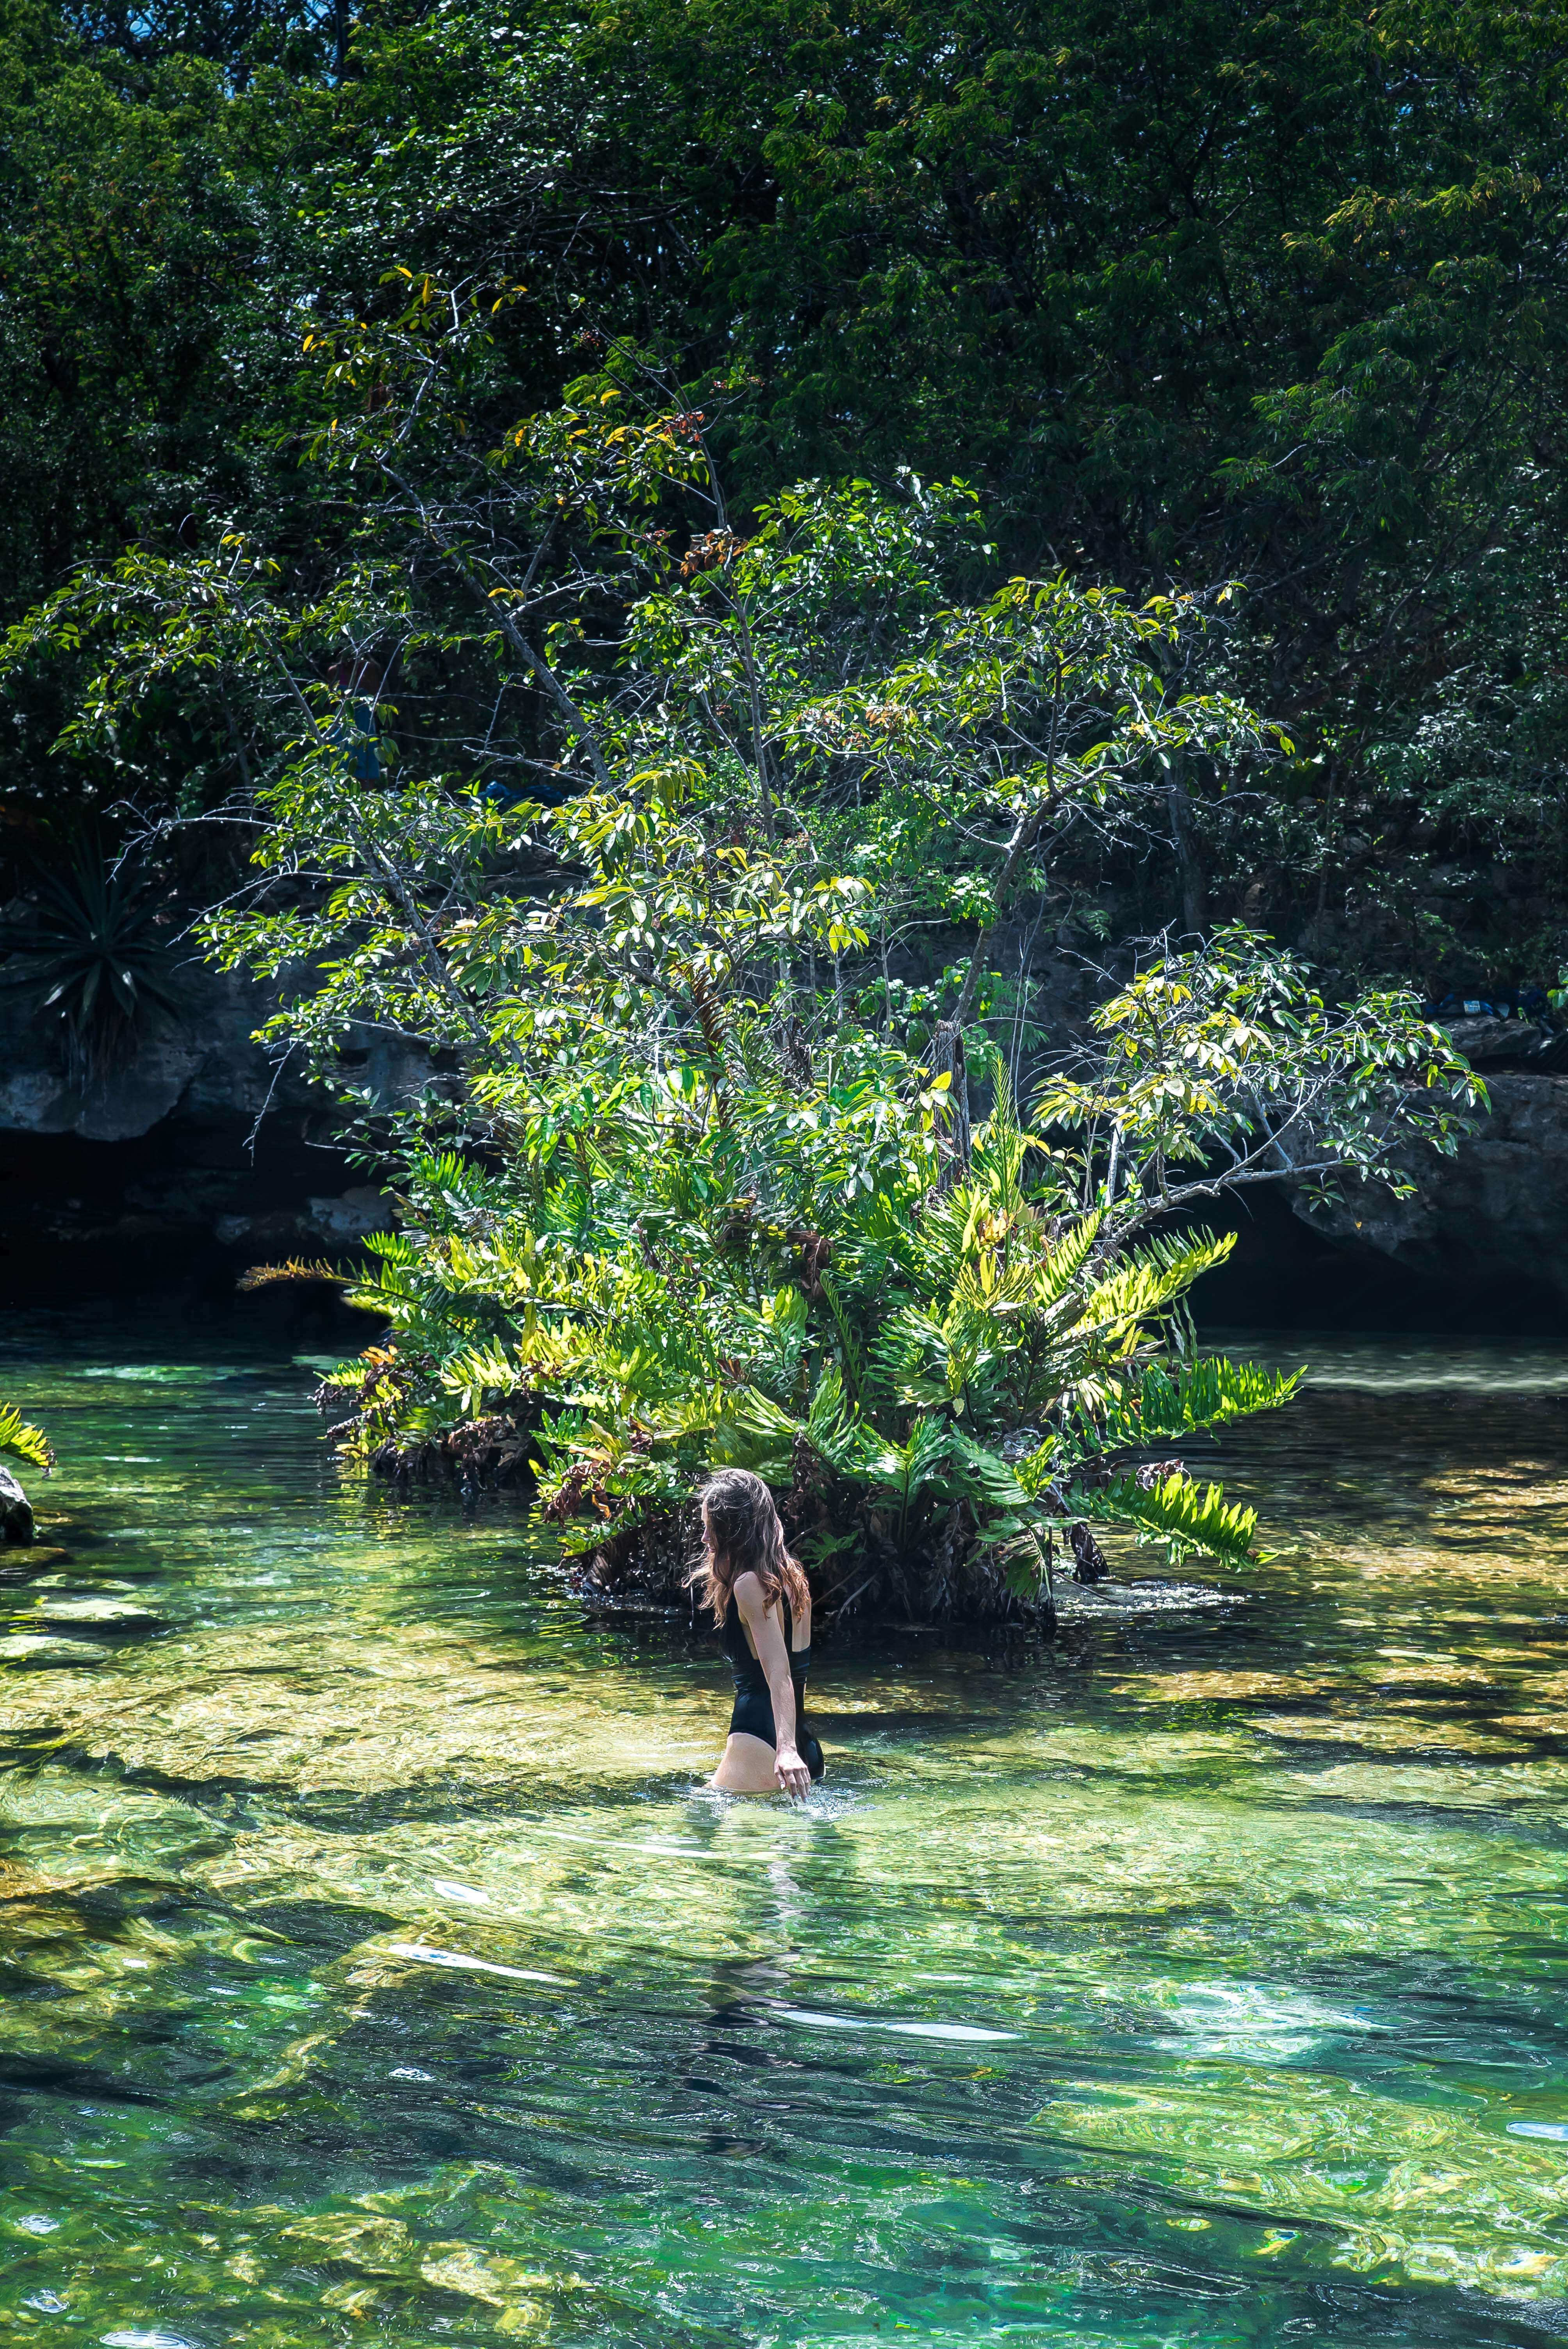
pixel 753 1715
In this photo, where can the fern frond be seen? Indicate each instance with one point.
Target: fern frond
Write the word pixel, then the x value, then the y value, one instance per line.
pixel 994 1483
pixel 28 1443
pixel 697 1414
pixel 1202 1395
pixel 1154 1275
pixel 1066 1259
pixel 759 1414
pixel 750 1430
pixel 827 1417
pixel 392 1248
pixel 1180 1512
pixel 271 1275
pixel 849 1351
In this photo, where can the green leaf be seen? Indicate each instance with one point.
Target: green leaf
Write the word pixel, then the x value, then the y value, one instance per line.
pixel 1196 1396
pixel 25 1442
pixel 1178 1512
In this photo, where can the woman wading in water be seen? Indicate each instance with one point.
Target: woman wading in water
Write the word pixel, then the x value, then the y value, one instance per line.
pixel 762 1602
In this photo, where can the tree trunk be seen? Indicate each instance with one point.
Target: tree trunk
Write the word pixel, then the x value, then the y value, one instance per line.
pixel 953 1132
pixel 1194 888
pixel 1091 1565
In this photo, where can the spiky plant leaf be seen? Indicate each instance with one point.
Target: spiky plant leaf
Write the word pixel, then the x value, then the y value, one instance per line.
pixel 1184 1516
pixel 1152 1277
pixel 1200 1395
pixel 25 1442
pixel 272 1276
pixel 1066 1258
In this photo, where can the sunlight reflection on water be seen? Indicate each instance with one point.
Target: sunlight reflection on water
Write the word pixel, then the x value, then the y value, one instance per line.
pixel 378 1966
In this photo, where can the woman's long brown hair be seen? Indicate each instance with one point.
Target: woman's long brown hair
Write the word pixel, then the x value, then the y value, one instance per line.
pixel 742 1535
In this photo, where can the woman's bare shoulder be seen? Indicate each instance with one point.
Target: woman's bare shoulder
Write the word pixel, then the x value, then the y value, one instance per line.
pixel 749 1596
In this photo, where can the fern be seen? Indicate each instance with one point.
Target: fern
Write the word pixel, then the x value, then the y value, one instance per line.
pixel 1201 1395
pixel 26 1442
pixel 1182 1515
pixel 997 1486
pixel 849 1351
pixel 392 1248
pixel 1067 1260
pixel 1154 1275
pixel 272 1276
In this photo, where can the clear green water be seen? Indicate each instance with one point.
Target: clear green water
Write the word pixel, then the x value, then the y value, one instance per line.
pixel 376 1970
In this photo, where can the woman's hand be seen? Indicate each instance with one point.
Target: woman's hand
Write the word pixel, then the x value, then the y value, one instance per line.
pixel 791 1772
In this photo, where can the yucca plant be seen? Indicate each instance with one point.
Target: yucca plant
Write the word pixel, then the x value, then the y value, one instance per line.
pixel 92 962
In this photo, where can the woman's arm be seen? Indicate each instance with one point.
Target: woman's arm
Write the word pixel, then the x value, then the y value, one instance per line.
pixel 768 1638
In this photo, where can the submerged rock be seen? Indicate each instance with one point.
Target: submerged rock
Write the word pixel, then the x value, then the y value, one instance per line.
pixel 16 1509
pixel 14 1568
pixel 93 1590
pixel 37 1649
pixel 99 1614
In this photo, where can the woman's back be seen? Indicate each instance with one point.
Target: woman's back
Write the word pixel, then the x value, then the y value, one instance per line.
pixel 738 1647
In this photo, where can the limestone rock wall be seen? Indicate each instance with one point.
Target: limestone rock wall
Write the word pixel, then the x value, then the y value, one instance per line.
pixel 204 1063
pixel 202 1066
pixel 1495 1215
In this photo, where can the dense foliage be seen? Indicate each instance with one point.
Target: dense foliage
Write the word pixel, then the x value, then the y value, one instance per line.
pixel 606 516
pixel 683 1127
pixel 1186 291
pixel 90 961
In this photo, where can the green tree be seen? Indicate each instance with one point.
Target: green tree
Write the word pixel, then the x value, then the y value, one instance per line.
pixel 1186 292
pixel 684 1179
pixel 682 1182
pixel 1183 293
pixel 669 1203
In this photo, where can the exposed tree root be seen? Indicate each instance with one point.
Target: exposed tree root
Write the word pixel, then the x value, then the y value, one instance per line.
pixel 859 1571
pixel 486 1453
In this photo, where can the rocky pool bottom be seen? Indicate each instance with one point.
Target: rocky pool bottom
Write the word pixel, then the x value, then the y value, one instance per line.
pixel 376 1968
